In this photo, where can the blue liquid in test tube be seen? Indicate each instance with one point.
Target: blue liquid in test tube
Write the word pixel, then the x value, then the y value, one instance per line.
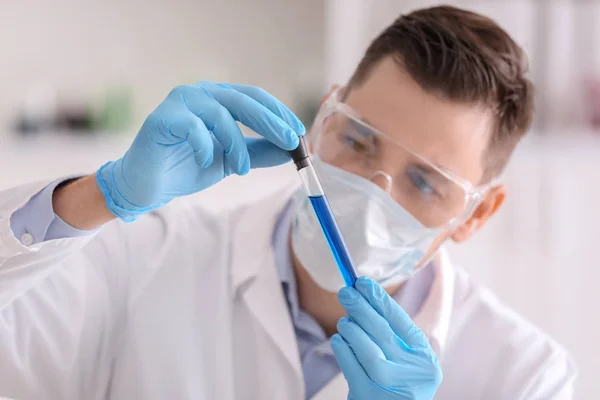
pixel 334 238
pixel 324 214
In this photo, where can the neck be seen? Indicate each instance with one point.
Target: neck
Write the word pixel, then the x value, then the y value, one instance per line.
pixel 320 304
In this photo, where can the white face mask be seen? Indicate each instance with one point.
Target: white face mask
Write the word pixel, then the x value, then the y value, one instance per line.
pixel 385 241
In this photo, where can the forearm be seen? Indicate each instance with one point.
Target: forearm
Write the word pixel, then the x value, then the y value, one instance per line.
pixel 80 204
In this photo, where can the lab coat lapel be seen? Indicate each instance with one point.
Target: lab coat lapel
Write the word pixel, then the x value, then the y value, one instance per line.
pixel 255 280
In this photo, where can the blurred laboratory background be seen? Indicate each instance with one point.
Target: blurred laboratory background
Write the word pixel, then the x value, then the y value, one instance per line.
pixel 78 79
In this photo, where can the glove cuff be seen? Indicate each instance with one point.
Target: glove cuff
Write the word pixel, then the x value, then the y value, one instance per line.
pixel 115 202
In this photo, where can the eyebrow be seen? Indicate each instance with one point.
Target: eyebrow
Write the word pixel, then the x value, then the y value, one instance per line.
pixel 424 167
pixel 376 142
pixel 366 121
pixel 370 125
pixel 364 131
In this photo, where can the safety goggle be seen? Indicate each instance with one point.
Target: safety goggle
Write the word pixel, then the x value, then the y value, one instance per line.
pixel 434 195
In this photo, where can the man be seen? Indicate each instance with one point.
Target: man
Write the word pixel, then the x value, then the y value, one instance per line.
pixel 181 304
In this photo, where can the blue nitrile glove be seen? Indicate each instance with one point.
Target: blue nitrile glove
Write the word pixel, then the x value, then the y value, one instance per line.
pixel 191 141
pixel 381 352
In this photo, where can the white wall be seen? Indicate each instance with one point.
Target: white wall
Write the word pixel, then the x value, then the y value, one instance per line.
pixel 80 47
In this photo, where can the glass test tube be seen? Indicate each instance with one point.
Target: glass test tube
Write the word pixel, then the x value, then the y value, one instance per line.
pixel 323 212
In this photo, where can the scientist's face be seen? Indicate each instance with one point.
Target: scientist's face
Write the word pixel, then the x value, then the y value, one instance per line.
pixel 453 136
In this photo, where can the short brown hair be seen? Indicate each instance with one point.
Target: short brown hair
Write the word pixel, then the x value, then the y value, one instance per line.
pixel 464 57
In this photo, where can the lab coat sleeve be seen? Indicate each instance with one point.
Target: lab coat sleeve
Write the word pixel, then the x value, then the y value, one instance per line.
pixel 64 303
pixel 125 250
pixel 55 321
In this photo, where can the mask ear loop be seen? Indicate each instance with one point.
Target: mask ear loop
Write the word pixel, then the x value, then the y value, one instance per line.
pixel 389 181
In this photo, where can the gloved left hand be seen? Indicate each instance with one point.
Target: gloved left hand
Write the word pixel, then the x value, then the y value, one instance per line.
pixel 381 352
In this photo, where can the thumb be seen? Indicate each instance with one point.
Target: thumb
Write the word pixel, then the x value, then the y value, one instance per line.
pixel 265 154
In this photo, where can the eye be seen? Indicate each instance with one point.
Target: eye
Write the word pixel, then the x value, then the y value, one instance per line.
pixel 420 181
pixel 355 144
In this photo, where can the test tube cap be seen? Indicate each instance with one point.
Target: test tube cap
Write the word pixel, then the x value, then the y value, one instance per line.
pixel 300 154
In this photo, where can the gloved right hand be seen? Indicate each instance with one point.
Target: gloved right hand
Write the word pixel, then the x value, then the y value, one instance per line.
pixel 191 141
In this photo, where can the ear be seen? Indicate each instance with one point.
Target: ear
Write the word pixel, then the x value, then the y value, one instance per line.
pixel 491 203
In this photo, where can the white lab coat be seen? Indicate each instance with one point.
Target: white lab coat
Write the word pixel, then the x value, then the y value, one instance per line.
pixel 183 304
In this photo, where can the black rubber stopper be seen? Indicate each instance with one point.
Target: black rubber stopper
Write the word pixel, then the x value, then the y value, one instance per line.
pixel 300 155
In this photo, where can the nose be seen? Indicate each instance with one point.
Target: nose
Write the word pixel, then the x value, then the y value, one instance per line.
pixel 383 180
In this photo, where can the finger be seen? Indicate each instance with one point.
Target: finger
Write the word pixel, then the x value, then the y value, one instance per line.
pixel 368 354
pixel 221 123
pixel 255 116
pixel 191 128
pixel 265 154
pixel 386 306
pixel 366 350
pixel 353 372
pixel 274 105
pixel 172 124
pixel 158 122
pixel 361 312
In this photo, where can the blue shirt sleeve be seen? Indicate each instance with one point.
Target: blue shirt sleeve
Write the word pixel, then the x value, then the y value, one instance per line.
pixel 36 221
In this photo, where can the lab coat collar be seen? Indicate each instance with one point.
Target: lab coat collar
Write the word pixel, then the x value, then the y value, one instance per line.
pixel 434 316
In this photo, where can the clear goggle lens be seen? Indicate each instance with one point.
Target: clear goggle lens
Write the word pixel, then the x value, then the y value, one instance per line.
pixel 429 193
